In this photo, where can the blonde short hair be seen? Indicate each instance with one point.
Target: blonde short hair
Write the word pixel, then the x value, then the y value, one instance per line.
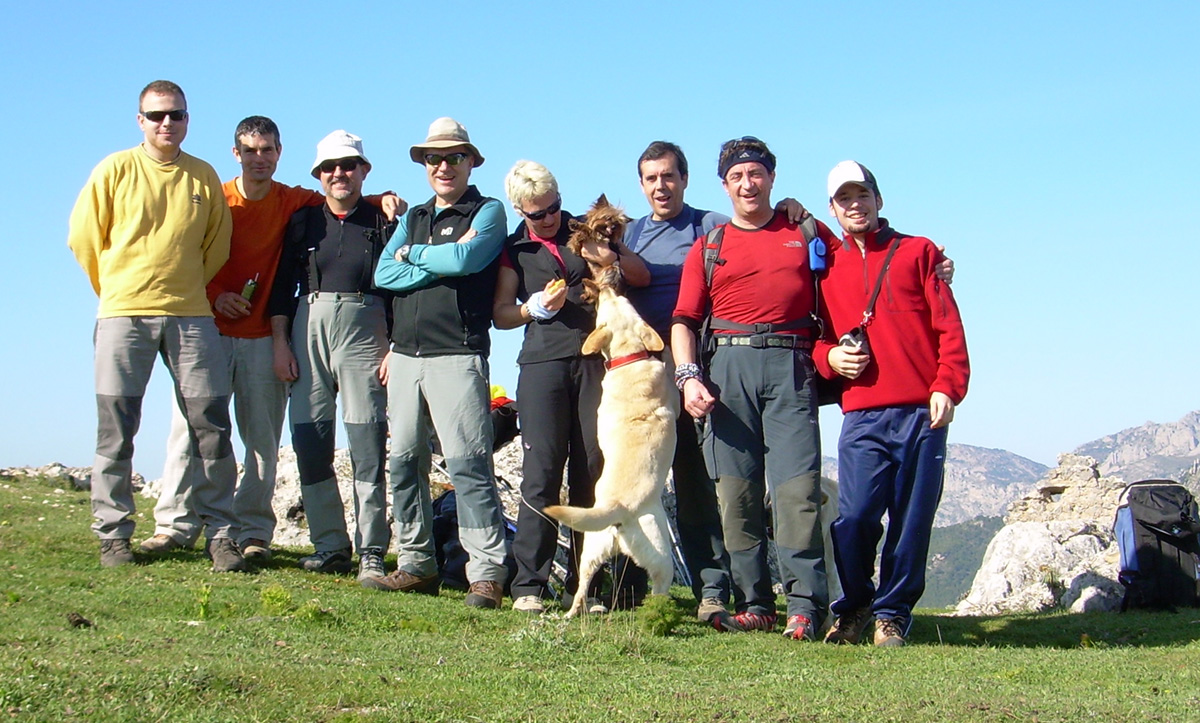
pixel 528 180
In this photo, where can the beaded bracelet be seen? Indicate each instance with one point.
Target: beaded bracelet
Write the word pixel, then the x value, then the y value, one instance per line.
pixel 684 372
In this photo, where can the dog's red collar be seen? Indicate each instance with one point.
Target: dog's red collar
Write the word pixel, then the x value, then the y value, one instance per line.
pixel 627 359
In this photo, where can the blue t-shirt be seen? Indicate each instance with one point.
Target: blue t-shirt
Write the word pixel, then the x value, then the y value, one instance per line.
pixel 664 245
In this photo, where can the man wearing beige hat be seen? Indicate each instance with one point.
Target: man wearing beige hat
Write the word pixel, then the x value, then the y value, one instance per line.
pixel 329 327
pixel 441 263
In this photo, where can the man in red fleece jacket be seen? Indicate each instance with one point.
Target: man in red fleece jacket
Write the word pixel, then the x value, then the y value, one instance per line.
pixel 904 369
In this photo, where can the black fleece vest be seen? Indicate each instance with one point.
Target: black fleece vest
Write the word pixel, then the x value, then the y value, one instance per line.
pixel 453 314
pixel 560 337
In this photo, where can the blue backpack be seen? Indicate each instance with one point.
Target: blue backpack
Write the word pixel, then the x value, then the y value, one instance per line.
pixel 1158 535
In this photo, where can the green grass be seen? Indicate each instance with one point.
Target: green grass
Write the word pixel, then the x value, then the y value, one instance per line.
pixel 171 640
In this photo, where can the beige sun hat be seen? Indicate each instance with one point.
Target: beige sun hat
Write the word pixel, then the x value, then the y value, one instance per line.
pixel 445 133
pixel 338 144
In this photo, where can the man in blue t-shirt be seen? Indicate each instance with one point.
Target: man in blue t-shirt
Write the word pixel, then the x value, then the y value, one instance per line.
pixel 662 240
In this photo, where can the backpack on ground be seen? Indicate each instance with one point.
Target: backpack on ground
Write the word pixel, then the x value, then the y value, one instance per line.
pixel 1158 535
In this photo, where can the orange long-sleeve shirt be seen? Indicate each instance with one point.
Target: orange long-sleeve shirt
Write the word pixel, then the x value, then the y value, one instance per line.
pixel 258 228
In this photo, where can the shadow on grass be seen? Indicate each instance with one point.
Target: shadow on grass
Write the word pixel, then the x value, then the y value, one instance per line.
pixel 1059 630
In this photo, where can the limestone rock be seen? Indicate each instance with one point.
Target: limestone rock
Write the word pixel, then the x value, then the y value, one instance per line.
pixel 1056 549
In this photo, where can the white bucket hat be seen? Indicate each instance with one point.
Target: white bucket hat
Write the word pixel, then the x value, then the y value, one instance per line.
pixel 445 133
pixel 338 144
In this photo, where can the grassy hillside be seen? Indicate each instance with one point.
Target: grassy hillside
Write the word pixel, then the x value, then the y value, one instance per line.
pixel 955 554
pixel 169 640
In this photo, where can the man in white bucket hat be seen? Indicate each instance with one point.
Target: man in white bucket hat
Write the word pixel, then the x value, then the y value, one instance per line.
pixel 441 263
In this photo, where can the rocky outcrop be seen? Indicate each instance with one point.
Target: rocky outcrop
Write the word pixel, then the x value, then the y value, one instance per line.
pixel 1056 550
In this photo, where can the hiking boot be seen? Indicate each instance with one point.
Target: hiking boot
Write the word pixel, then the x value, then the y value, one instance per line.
pixel 225 555
pixel 848 629
pixel 160 544
pixel 485 594
pixel 756 621
pixel 800 627
pixel 329 561
pixel 403 581
pixel 115 552
pixel 889 632
pixel 713 612
pixel 531 604
pixel 370 564
pixel 256 550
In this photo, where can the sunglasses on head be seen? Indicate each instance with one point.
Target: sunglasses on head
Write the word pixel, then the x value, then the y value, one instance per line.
pixel 435 159
pixel 539 215
pixel 156 116
pixel 347 164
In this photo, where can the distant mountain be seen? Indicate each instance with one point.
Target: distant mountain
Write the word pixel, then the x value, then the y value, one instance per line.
pixel 980 482
pixel 1170 450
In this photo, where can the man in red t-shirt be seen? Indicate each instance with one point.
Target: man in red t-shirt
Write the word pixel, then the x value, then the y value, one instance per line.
pixel 758 395
pixel 261 207
pixel 904 368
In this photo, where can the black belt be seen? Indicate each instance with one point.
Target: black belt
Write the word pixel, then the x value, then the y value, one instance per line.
pixel 764 341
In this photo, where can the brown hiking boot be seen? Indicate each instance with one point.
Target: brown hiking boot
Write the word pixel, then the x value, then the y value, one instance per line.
pixel 160 544
pixel 848 628
pixel 225 555
pixel 403 581
pixel 889 632
pixel 115 552
pixel 256 550
pixel 485 594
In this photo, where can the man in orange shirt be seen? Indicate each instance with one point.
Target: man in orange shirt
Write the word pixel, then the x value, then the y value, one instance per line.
pixel 238 294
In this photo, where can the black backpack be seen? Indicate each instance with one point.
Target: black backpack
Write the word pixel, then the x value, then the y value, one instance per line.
pixel 1158 534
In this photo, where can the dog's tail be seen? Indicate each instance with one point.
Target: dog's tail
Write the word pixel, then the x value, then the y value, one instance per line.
pixel 588 519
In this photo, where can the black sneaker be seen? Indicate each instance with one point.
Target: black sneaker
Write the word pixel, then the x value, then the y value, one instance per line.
pixel 848 628
pixel 225 555
pixel 330 561
pixel 115 552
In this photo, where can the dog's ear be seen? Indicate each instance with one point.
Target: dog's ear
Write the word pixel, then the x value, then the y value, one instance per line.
pixel 650 337
pixel 597 341
pixel 591 290
pixel 601 202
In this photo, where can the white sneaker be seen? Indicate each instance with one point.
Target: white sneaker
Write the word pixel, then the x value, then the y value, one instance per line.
pixel 529 604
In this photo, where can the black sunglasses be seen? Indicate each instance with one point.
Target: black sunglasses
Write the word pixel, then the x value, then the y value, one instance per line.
pixel 156 116
pixel 347 164
pixel 539 215
pixel 434 159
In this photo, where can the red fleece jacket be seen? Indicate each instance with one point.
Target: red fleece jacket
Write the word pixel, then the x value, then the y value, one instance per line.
pixel 916 337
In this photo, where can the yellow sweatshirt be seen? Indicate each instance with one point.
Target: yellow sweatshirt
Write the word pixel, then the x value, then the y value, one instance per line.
pixel 150 235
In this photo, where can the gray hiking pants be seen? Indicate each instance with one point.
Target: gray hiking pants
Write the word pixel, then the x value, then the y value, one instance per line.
pixel 340 341
pixel 453 392
pixel 126 347
pixel 762 437
pixel 259 403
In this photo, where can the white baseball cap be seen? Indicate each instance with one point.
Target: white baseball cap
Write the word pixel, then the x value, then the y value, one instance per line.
pixel 851 172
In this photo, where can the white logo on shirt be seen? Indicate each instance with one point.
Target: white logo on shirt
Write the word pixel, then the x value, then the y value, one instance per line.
pixel 448 230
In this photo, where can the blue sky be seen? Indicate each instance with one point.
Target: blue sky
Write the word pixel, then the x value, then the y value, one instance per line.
pixel 1050 146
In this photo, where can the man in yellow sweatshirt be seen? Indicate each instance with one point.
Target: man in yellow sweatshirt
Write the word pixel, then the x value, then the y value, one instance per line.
pixel 150 229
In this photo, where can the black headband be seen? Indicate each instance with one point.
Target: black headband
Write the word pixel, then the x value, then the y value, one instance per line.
pixel 746 155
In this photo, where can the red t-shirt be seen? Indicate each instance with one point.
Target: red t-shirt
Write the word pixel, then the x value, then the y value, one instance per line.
pixel 765 278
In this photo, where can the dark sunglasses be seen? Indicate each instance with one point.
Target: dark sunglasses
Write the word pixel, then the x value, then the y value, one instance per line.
pixel 539 215
pixel 347 164
pixel 156 116
pixel 434 159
